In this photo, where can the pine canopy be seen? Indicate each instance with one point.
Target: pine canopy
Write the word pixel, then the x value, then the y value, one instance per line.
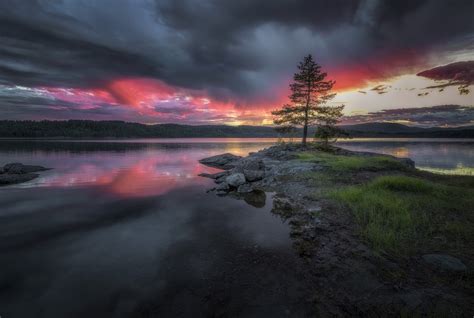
pixel 310 92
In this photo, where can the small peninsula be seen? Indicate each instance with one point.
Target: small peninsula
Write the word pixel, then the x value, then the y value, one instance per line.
pixel 380 236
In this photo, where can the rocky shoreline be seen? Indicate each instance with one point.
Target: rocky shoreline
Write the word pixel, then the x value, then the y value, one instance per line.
pixel 14 173
pixel 260 170
pixel 348 276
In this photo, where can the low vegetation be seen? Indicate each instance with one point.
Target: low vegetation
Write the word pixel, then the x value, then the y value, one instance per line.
pixel 460 170
pixel 400 214
pixel 352 163
pixel 398 210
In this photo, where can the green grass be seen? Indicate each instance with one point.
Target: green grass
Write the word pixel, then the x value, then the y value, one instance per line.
pixel 400 214
pixel 352 163
pixel 460 170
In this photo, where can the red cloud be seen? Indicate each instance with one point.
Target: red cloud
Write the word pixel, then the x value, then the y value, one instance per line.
pixel 155 101
pixel 377 68
pixel 459 72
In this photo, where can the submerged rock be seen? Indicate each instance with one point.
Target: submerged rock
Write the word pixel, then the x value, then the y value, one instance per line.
pixel 225 161
pixel 235 180
pixel 19 168
pixel 16 172
pixel 445 262
pixel 11 178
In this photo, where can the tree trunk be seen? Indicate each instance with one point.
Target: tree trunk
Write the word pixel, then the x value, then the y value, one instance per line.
pixel 305 128
pixel 305 133
pixel 306 111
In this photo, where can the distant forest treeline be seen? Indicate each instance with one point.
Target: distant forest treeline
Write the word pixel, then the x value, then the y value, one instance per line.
pixel 120 129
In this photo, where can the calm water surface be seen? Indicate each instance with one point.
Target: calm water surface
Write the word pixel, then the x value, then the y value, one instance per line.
pixel 126 228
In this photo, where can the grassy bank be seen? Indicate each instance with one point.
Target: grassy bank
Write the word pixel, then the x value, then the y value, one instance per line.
pixel 401 214
pixel 460 170
pixel 352 163
pixel 399 210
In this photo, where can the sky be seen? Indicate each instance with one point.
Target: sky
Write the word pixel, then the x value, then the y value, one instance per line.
pixel 230 62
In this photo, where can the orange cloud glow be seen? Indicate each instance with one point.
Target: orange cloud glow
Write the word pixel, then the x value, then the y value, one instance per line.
pixel 153 101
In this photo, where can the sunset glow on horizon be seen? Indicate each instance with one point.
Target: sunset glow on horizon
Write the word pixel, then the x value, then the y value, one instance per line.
pixel 164 63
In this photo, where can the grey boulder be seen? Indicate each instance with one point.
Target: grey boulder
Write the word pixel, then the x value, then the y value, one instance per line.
pixel 223 188
pixel 235 180
pixel 253 169
pixel 254 175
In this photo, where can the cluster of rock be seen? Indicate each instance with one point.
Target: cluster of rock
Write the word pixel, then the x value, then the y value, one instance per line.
pixel 261 170
pixel 257 171
pixel 17 173
pixel 238 175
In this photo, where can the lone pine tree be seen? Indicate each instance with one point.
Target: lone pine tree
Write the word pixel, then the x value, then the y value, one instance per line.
pixel 310 92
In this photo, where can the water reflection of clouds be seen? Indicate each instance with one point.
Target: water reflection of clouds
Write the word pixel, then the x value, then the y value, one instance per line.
pixel 133 248
pixel 136 174
pixel 138 168
pixel 148 170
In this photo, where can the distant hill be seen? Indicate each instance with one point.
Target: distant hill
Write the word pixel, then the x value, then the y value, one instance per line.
pixel 120 129
pixel 381 127
pixel 399 130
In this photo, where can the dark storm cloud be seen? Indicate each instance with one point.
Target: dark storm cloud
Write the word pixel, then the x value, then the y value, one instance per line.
pixel 20 103
pixel 32 56
pixel 449 115
pixel 460 73
pixel 232 49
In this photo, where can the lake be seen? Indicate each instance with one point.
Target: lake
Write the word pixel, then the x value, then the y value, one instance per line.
pixel 125 228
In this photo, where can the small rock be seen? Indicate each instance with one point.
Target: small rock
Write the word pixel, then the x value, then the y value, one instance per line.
pixel 225 161
pixel 245 188
pixel 445 262
pixel 250 163
pixel 235 180
pixel 223 187
pixel 254 175
pixel 252 168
